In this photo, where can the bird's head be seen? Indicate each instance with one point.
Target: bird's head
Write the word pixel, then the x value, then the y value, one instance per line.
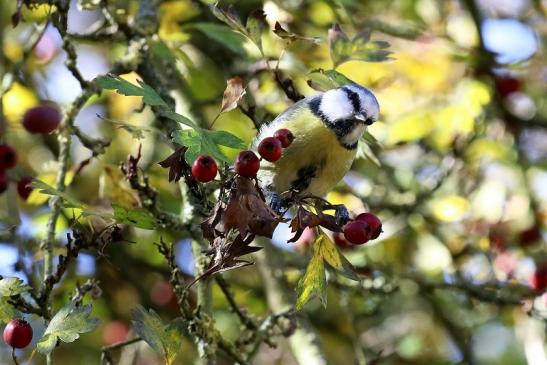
pixel 347 110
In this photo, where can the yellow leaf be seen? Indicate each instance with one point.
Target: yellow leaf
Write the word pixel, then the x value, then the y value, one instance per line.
pixel 313 282
pixel 328 251
pixel 115 188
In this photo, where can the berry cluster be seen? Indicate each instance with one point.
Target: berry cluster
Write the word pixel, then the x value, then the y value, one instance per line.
pixel 365 227
pixel 247 164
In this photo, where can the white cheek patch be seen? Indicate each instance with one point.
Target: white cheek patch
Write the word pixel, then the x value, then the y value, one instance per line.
pixel 335 105
pixel 352 137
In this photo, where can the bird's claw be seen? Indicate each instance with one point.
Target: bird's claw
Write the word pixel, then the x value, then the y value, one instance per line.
pixel 341 215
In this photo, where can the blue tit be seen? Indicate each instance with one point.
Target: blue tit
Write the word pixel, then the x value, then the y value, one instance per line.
pixel 326 129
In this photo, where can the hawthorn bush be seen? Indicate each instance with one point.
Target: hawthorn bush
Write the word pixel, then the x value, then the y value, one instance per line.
pixel 135 230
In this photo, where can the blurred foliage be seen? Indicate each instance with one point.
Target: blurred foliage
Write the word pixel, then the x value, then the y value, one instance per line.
pixel 456 168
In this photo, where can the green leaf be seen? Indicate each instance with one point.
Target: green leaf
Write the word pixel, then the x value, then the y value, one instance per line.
pixel 12 286
pixel 343 49
pixel 221 34
pixel 256 23
pixel 206 142
pixel 291 37
pixel 323 80
pixel 124 87
pixel 314 282
pixel 137 217
pixel 67 325
pixel 369 148
pixel 164 339
pixel 178 118
pixel 227 139
pixel 7 311
pixel 230 17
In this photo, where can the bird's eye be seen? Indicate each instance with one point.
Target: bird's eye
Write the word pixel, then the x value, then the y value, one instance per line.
pixel 369 121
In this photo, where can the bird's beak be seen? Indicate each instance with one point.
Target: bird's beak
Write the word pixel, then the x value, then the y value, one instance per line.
pixel 363 119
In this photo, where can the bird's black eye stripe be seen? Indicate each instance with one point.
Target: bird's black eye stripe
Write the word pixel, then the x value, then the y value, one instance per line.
pixel 315 104
pixel 354 98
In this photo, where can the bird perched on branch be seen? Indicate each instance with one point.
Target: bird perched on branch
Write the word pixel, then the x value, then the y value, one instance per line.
pixel 326 129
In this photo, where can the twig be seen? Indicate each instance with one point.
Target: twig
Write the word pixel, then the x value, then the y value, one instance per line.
pixel 105 351
pixel 225 287
pixel 13 356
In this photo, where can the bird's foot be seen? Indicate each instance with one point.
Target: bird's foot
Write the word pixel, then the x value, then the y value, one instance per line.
pixel 276 203
pixel 341 215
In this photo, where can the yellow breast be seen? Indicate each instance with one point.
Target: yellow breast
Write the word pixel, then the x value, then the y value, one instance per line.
pixel 315 161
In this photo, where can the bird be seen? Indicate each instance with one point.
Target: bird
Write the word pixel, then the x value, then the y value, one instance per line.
pixel 326 128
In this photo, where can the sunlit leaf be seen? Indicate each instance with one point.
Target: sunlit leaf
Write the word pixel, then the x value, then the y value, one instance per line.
pixel 137 217
pixel 12 286
pixel 68 201
pixel 7 311
pixel 314 282
pixel 164 339
pixel 323 80
pixel 124 87
pixel 114 187
pixel 332 256
pixel 67 325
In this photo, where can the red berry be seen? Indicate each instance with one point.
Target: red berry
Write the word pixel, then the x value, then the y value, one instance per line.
pixel 270 149
pixel 341 241
pixel 204 169
pixel 23 187
pixel 284 136
pixel 539 279
pixel 374 223
pixel 42 119
pixel 4 181
pixel 357 232
pixel 507 85
pixel 8 157
pixel 247 164
pixel 18 333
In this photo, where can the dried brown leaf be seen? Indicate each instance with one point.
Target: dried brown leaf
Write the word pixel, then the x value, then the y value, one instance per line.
pixel 232 94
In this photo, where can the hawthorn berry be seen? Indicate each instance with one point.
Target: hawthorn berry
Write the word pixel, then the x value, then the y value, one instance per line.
pixel 284 136
pixel 42 119
pixel 270 148
pixel 374 223
pixel 204 169
pixel 341 241
pixel 23 187
pixel 8 157
pixel 4 182
pixel 539 279
pixel 357 232
pixel 18 333
pixel 247 164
